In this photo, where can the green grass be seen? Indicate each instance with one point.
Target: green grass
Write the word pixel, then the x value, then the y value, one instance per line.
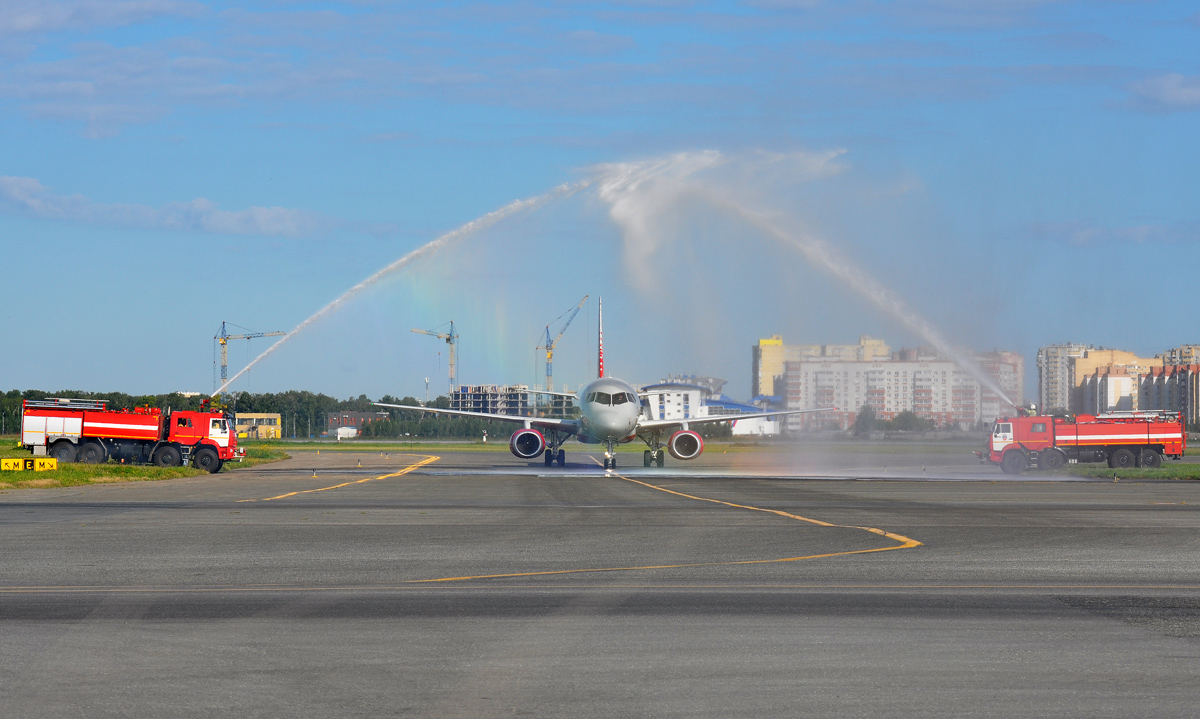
pixel 1169 470
pixel 74 475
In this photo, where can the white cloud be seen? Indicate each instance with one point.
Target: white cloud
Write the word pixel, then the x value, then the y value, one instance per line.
pixel 28 196
pixel 37 16
pixel 1171 91
pixel 1083 234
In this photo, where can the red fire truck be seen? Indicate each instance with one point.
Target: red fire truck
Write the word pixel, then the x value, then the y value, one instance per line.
pixel 1123 439
pixel 78 430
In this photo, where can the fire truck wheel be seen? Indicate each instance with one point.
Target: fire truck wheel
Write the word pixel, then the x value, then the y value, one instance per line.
pixel 1013 461
pixel 63 451
pixel 92 453
pixel 1122 459
pixel 1151 459
pixel 207 459
pixel 1051 459
pixel 167 457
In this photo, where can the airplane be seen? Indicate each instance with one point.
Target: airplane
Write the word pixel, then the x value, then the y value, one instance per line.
pixel 611 413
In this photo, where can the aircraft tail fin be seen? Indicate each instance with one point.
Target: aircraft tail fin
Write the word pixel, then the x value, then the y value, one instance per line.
pixel 600 344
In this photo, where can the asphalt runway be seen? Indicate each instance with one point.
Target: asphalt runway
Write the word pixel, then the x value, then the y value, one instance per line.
pixel 472 584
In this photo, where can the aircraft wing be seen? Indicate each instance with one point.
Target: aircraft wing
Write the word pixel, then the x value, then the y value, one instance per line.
pixel 569 426
pixel 664 423
pixel 552 393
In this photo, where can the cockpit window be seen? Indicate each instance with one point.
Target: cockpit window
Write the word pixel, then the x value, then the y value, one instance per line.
pixel 620 398
pixel 603 398
pixel 591 397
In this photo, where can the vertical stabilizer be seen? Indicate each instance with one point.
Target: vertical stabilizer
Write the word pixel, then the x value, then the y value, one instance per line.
pixel 600 345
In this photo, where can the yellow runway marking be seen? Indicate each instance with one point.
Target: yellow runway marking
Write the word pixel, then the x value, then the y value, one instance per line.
pixel 905 543
pixel 400 586
pixel 428 459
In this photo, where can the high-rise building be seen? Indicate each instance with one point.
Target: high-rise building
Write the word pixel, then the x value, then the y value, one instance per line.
pixel 1056 375
pixel 769 356
pixel 1175 388
pixel 1181 355
pixel 911 380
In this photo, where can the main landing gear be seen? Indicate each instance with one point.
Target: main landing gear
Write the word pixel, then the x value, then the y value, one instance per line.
pixel 554 450
pixel 655 456
pixel 551 455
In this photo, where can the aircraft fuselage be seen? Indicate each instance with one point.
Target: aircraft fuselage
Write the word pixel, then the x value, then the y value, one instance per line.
pixel 609 411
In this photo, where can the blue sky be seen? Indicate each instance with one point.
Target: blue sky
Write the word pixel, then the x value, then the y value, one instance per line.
pixel 1021 172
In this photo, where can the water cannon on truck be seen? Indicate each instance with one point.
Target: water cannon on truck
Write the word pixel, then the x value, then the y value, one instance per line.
pixel 83 430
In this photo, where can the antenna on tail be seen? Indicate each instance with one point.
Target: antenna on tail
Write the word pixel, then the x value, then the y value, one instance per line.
pixel 600 346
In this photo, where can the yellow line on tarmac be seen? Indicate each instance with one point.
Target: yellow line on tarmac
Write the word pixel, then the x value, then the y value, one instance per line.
pixel 428 459
pixel 905 543
pixel 402 585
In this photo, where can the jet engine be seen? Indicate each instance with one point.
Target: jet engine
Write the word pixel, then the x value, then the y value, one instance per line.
pixel 527 443
pixel 685 444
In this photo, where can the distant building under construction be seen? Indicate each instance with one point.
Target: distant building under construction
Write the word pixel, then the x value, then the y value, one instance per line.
pixel 491 398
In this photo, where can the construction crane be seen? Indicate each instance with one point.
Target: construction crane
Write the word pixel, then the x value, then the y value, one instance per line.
pixel 552 343
pixel 222 338
pixel 451 338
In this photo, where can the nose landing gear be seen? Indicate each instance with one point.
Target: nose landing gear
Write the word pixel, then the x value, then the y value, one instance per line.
pixel 610 456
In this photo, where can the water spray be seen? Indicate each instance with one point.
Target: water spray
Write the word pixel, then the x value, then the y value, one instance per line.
pixel 475 225
pixel 821 254
pixel 636 191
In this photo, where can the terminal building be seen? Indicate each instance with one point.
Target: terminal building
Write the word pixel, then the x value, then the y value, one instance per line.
pixel 689 396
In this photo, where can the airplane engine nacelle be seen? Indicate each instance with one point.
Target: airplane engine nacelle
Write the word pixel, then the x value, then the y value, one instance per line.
pixel 527 443
pixel 685 444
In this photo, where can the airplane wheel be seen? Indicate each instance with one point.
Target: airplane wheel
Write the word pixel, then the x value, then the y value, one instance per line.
pixel 662 457
pixel 646 458
pixel 549 459
pixel 562 458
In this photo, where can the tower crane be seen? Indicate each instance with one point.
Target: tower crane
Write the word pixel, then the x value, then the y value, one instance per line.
pixel 451 338
pixel 552 343
pixel 222 338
